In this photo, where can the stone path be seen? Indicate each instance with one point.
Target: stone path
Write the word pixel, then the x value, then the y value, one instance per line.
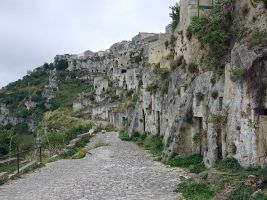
pixel 120 171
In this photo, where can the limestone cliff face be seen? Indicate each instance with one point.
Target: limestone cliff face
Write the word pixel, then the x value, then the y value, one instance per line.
pixel 157 83
pixel 194 113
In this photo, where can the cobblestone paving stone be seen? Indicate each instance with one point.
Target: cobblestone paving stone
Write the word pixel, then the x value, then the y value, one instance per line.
pixel 120 171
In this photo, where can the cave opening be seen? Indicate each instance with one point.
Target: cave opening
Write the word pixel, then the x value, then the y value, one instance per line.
pixel 144 120
pixel 219 145
pixel 158 122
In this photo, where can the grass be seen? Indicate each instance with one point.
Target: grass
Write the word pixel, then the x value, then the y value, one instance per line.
pixel 195 191
pixel 241 192
pixel 194 163
pixel 153 144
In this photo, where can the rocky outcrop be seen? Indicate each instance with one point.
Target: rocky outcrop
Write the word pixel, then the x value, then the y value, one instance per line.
pixel 192 110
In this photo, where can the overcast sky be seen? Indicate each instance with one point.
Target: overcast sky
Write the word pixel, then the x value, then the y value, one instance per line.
pixel 34 31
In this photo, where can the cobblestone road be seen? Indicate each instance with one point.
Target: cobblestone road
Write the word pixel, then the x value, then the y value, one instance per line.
pixel 120 171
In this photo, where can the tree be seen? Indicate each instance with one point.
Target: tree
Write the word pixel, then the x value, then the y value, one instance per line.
pixel 175 16
pixel 61 64
pixel 6 142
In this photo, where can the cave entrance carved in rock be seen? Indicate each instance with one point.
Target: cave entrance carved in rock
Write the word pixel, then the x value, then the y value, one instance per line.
pixel 158 122
pixel 144 120
pixel 199 131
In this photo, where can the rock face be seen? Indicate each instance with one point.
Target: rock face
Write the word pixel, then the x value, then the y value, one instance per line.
pixel 194 113
pixel 157 83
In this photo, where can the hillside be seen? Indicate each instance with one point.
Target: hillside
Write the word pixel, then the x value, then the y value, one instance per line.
pixel 200 87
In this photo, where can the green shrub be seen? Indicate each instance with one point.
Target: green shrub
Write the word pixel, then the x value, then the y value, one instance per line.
pixel 214 94
pixel 152 88
pixel 192 68
pixel 25 142
pixel 80 154
pixel 124 136
pixel 175 16
pixel 137 137
pixel 162 72
pixel 83 142
pixel 67 154
pixel 259 196
pixel 109 128
pixel 261 173
pixel 237 74
pixel 21 128
pixel 208 62
pixel 136 56
pixel 154 144
pixel 113 98
pixel 75 131
pixel 215 30
pixel 212 30
pixel 61 64
pixel 218 119
pixel 166 44
pixel 177 62
pixel 53 139
pixel 195 191
pixel 229 164
pixel 257 37
pixel 4 140
pixel 198 168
